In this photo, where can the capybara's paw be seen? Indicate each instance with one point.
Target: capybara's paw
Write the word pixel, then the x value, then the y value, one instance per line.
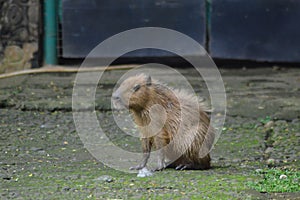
pixel 138 167
pixel 183 166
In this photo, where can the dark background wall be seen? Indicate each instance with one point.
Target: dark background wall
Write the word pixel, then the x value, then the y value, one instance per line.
pixel 255 30
pixel 20 29
pixel 86 23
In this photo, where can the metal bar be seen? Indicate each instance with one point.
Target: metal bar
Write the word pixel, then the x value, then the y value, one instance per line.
pixel 50 32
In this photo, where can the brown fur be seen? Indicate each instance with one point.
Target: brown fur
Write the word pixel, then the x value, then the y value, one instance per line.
pixel 184 135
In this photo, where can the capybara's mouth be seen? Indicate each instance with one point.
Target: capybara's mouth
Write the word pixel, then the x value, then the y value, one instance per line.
pixel 118 105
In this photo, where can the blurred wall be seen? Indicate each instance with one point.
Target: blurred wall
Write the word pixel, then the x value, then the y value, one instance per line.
pixel 19 34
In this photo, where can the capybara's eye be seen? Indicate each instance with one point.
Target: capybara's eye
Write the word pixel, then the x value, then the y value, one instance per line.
pixel 136 87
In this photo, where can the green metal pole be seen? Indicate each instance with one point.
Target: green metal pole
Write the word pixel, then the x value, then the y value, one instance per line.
pixel 50 32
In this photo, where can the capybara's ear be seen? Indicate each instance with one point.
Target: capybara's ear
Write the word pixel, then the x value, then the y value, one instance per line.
pixel 148 80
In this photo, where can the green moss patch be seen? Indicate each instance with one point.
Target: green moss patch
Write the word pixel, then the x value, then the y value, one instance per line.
pixel 277 181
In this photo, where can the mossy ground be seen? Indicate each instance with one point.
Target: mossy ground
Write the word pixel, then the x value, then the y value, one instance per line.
pixel 45 159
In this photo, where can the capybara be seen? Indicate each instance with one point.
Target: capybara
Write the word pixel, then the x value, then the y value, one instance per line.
pixel 172 121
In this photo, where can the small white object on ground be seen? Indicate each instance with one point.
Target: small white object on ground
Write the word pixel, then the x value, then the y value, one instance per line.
pixel 283 176
pixel 144 172
pixel 105 178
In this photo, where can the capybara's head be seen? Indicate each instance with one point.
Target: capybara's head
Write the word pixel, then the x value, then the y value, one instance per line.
pixel 133 93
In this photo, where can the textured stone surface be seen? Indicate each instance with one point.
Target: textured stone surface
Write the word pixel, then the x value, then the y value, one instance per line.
pixel 252 93
pixel 19 34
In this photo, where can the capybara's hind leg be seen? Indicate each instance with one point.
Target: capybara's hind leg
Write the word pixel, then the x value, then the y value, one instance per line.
pixel 185 164
pixel 203 163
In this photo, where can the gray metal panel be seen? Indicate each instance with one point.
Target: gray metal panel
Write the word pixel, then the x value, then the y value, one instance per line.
pixel 86 23
pixel 262 30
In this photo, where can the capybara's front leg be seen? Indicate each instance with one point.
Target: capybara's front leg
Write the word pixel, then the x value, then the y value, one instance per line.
pixel 160 161
pixel 146 145
pixel 161 154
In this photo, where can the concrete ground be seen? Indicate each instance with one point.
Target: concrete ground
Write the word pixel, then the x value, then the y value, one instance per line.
pixel 42 155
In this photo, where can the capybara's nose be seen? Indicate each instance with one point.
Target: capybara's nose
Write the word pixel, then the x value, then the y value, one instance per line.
pixel 115 96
